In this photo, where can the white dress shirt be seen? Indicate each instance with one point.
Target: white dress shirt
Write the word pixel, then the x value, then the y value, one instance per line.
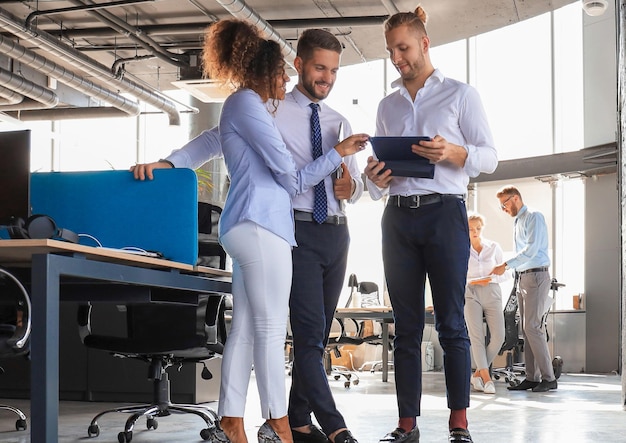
pixel 443 107
pixel 293 121
pixel 481 264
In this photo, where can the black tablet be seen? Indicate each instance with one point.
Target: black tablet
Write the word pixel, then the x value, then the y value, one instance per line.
pixel 397 155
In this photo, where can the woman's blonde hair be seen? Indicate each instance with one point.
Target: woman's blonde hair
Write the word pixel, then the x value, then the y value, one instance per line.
pixel 475 216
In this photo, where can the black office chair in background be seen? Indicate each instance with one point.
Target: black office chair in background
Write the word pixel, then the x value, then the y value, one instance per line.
pixel 513 344
pixel 163 335
pixel 210 252
pixel 15 325
pixel 343 332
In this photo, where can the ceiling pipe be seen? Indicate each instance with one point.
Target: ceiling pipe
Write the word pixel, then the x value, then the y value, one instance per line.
pixel 50 44
pixel 9 97
pixel 67 114
pixel 239 9
pixel 28 89
pixel 11 49
pixel 198 28
pixel 33 15
pixel 136 34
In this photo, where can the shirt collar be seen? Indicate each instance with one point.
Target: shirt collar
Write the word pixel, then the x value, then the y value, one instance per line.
pixel 302 100
pixel 435 76
pixel 521 212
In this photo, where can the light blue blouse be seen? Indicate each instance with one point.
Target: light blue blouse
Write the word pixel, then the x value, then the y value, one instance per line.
pixel 263 173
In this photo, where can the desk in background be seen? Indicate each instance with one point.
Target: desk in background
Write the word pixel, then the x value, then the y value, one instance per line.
pixel 382 314
pixel 89 274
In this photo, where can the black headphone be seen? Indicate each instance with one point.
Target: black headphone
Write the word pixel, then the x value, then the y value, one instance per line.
pixel 39 226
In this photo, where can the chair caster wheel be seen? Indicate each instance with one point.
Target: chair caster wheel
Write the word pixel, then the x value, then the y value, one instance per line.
pixel 557 365
pixel 93 430
pixel 151 423
pixel 355 382
pixel 125 437
pixel 213 435
pixel 21 425
pixel 346 384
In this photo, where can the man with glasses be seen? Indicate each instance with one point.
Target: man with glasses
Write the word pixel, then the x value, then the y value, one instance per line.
pixel 531 263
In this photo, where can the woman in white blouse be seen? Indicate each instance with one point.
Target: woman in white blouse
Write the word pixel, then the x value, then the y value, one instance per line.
pixel 483 297
pixel 256 226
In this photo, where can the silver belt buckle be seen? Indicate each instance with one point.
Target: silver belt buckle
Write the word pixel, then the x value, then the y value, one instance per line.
pixel 415 203
pixel 335 219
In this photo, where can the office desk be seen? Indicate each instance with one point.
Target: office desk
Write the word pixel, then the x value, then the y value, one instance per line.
pixel 382 314
pixel 65 271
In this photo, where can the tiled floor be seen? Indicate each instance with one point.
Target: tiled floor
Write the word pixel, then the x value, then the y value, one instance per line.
pixel 585 408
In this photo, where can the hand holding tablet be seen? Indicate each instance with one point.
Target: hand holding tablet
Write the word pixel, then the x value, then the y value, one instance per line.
pixel 397 154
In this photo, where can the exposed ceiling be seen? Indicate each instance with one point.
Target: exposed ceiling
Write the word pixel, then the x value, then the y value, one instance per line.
pixel 87 58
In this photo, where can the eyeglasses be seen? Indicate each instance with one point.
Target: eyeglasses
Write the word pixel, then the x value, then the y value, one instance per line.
pixel 503 204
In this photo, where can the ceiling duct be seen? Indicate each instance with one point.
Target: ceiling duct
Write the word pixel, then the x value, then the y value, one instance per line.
pixel 11 49
pixel 19 84
pixel 68 54
pixel 9 97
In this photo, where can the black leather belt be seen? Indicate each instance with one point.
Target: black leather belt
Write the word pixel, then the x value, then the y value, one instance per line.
pixel 415 201
pixel 331 219
pixel 528 271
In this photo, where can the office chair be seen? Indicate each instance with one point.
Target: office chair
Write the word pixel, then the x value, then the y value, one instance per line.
pixel 14 330
pixel 514 344
pixel 152 336
pixel 340 335
pixel 208 245
pixel 369 297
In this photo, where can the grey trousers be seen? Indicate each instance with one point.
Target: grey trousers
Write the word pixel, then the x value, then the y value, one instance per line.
pixel 534 300
pixel 485 300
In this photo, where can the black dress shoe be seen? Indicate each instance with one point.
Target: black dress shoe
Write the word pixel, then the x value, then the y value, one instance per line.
pixel 345 437
pixel 399 435
pixel 545 386
pixel 523 386
pixel 315 436
pixel 460 435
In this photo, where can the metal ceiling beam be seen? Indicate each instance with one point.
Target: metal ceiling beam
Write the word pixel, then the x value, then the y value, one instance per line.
pixel 199 28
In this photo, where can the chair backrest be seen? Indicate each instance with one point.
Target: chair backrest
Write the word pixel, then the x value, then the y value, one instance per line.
pixel 15 309
pixel 184 331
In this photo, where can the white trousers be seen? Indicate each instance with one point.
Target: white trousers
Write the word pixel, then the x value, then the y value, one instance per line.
pixel 262 271
pixel 487 301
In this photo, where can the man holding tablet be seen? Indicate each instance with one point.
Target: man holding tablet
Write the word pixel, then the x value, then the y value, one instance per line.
pixel 424 226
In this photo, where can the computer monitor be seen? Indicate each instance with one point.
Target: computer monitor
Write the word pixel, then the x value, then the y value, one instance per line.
pixel 14 175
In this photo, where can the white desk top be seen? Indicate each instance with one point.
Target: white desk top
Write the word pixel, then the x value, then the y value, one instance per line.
pixel 19 252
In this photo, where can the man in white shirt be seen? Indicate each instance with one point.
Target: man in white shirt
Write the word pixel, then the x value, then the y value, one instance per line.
pixel 320 260
pixel 424 226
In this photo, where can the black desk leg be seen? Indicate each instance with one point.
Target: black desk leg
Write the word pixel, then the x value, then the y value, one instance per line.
pixel 44 388
pixel 385 358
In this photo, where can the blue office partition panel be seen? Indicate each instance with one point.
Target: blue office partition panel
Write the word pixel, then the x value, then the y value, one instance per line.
pixel 121 212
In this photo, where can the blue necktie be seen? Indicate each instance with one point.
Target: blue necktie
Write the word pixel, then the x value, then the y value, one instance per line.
pixel 320 209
